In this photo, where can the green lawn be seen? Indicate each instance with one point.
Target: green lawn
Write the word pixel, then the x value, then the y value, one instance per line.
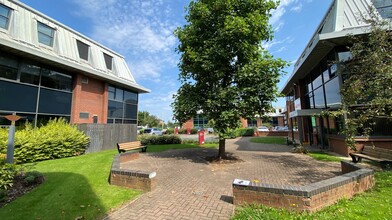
pixel 75 187
pixel 374 204
pixel 323 156
pixel 269 140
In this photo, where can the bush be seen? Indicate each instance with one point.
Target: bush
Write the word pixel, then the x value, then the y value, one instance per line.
pixel 3 140
pixel 56 139
pixel 170 131
pixel 243 132
pixel 7 174
pixel 164 139
pixel 32 177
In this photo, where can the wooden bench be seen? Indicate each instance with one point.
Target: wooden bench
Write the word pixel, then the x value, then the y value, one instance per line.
pixel 134 145
pixel 381 155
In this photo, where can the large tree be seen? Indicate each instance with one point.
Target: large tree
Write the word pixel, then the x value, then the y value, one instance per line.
pixel 224 71
pixel 367 88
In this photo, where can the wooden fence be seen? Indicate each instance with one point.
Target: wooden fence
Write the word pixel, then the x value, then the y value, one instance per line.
pixel 106 136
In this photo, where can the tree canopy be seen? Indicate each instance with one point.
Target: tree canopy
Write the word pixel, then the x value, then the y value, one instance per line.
pixel 225 72
pixel 146 119
pixel 367 88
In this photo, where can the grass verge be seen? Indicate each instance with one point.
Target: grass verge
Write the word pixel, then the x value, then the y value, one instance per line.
pixel 269 140
pixel 323 156
pixel 374 204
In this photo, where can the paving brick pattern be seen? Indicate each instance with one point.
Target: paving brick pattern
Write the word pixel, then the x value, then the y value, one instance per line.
pixel 188 187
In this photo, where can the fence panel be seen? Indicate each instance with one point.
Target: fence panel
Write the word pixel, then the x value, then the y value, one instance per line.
pixel 106 136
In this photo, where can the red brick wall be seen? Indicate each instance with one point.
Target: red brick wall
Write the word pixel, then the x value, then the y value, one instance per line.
pixel 306 198
pixel 244 123
pixel 338 145
pixel 188 124
pixel 91 98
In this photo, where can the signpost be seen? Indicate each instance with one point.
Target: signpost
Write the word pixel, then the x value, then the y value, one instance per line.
pixel 11 137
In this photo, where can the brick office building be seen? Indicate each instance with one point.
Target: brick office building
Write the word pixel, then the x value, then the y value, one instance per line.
pixel 315 82
pixel 48 70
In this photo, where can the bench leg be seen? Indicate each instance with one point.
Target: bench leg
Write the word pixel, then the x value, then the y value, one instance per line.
pixel 386 165
pixel 356 159
pixel 144 149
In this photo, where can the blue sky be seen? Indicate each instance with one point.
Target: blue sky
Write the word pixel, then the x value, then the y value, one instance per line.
pixel 142 31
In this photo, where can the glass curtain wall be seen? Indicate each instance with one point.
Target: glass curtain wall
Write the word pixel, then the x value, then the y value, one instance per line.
pixel 122 106
pixel 33 90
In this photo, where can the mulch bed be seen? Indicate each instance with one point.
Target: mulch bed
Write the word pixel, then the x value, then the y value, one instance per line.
pixel 19 189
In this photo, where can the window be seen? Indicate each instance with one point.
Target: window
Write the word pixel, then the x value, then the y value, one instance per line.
pixel 384 8
pixel 8 68
pixel 122 106
pixel 45 34
pixel 30 74
pixel 5 14
pixel 55 80
pixel 108 61
pixel 130 97
pixel 83 50
pixel 17 97
pixel 55 102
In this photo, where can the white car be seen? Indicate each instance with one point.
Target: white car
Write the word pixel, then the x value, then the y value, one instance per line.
pixel 262 128
pixel 153 131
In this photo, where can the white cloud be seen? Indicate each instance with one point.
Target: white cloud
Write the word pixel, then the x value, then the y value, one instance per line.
pixel 270 44
pixel 141 30
pixel 297 8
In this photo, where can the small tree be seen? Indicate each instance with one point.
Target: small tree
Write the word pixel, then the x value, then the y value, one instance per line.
pixel 224 71
pixel 146 119
pixel 367 88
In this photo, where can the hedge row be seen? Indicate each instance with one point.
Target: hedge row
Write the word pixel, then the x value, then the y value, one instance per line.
pixel 164 139
pixel 57 139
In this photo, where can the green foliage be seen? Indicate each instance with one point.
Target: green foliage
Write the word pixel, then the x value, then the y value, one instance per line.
pixel 146 119
pixel 3 140
pixel 3 194
pixel 269 140
pixel 32 177
pixel 185 131
pixel 366 91
pixel 192 141
pixel 74 187
pixel 243 132
pixel 56 139
pixel 323 156
pixel 224 71
pixel 170 131
pixel 7 175
pixel 164 139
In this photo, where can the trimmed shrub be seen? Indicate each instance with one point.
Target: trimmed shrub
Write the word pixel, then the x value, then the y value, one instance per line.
pixel 32 177
pixel 3 140
pixel 245 132
pixel 164 139
pixel 56 139
pixel 170 131
pixel 7 174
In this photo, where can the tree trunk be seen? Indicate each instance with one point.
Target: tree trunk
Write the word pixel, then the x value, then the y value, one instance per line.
pixel 222 150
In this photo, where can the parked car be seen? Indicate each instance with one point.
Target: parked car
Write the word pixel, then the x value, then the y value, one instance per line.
pixel 153 131
pixel 210 130
pixel 262 128
pixel 280 128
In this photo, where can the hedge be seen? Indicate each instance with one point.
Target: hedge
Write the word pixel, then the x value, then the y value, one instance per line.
pixel 245 132
pixel 57 139
pixel 164 139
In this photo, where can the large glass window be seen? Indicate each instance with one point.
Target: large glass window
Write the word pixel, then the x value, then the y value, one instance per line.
pixel 130 97
pixel 55 102
pixel 45 34
pixel 17 97
pixel 5 14
pixel 30 74
pixel 56 80
pixel 332 93
pixel 122 106
pixel 8 68
pixel 319 98
pixel 384 8
pixel 83 50
pixel 115 109
pixel 108 61
pixel 200 121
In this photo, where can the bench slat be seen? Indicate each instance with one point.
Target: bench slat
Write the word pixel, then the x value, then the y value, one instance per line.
pixel 134 145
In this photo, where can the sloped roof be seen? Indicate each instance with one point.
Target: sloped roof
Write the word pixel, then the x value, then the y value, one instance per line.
pixel 21 37
pixel 343 17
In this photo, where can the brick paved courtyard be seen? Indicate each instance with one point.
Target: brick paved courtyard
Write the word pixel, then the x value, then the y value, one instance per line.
pixel 190 188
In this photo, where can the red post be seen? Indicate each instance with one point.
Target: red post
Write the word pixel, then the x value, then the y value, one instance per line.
pixel 176 130
pixel 188 131
pixel 201 137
